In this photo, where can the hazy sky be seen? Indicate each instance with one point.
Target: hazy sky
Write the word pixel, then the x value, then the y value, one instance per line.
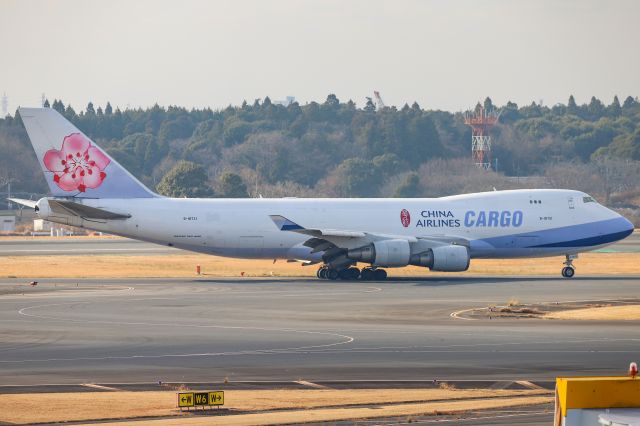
pixel 444 54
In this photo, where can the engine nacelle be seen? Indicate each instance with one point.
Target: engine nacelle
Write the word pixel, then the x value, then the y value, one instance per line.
pixel 394 253
pixel 42 208
pixel 451 258
pixel 387 253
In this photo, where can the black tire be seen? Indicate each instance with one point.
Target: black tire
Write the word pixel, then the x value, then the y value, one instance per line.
pixel 345 274
pixel 332 274
pixel 366 274
pixel 568 272
pixel 318 273
pixel 380 274
pixel 354 273
pixel 322 273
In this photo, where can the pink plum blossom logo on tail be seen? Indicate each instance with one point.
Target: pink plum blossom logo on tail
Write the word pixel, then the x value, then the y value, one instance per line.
pixel 405 217
pixel 77 165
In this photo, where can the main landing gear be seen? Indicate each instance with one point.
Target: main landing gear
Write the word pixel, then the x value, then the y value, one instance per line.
pixel 569 270
pixel 352 274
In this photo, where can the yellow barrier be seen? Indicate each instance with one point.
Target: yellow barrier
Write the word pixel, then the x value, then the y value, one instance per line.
pixel 597 392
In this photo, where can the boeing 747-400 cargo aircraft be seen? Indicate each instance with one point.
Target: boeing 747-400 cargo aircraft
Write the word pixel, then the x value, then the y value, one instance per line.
pixel 89 189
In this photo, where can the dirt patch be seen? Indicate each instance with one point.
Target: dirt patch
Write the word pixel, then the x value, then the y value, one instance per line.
pixel 330 404
pixel 606 310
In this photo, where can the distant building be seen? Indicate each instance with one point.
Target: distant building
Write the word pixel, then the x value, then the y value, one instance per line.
pixel 288 101
pixel 41 225
pixel 7 223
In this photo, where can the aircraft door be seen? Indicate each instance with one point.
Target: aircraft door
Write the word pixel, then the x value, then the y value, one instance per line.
pixel 571 202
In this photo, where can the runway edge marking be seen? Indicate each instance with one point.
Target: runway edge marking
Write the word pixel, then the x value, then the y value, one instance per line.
pixel 311 384
pixel 101 387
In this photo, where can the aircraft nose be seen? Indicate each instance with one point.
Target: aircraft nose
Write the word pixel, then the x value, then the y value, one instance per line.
pixel 626 226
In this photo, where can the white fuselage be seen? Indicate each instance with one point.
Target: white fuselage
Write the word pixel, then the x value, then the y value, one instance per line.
pixel 519 223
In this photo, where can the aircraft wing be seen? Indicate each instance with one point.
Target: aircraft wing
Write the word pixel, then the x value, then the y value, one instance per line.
pixel 22 202
pixel 326 240
pixel 71 208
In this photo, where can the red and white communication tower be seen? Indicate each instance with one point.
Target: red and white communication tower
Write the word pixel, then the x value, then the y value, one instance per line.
pixel 480 122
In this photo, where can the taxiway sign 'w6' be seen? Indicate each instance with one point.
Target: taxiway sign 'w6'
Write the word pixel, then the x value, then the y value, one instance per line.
pixel 91 190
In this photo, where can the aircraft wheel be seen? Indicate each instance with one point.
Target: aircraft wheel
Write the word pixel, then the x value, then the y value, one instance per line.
pixel 350 274
pixel 366 274
pixel 332 274
pixel 322 273
pixel 344 274
pixel 355 273
pixel 380 274
pixel 568 272
pixel 319 272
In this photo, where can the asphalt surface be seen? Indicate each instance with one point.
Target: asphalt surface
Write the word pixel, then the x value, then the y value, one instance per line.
pixel 263 333
pixel 266 332
pixel 65 246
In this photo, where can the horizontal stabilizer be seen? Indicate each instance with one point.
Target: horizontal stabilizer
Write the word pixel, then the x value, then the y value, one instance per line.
pixel 22 202
pixel 85 212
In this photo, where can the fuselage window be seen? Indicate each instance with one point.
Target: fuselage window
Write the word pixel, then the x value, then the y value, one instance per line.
pixel 588 200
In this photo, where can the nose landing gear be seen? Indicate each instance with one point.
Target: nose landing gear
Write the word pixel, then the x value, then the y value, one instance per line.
pixel 569 270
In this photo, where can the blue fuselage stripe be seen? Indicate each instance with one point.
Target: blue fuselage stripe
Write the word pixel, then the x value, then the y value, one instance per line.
pixel 590 234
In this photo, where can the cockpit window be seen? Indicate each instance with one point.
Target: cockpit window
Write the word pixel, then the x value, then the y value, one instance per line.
pixel 588 200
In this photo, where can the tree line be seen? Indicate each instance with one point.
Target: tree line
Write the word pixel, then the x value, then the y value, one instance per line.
pixel 335 148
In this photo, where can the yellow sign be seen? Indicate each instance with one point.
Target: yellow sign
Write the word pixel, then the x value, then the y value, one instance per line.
pixel 200 399
pixel 216 398
pixel 185 399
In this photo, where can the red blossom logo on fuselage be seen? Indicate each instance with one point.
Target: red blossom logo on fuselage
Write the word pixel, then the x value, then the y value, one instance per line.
pixel 405 217
pixel 77 165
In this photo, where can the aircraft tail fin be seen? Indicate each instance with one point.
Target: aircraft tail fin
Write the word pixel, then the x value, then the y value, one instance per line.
pixel 73 165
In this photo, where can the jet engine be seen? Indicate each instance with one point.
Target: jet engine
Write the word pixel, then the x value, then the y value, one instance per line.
pixel 397 252
pixel 451 258
pixel 42 208
pixel 387 253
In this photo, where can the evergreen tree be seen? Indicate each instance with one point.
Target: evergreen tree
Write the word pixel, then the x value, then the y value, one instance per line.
pixel 572 107
pixel 370 106
pixel 70 113
pixel 409 188
pixel 46 104
pixel 615 109
pixel 595 108
pixel 90 109
pixel 231 186
pixel 332 101
pixel 185 179
pixel 629 103
pixel 58 106
pixel 108 110
pixel 488 104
